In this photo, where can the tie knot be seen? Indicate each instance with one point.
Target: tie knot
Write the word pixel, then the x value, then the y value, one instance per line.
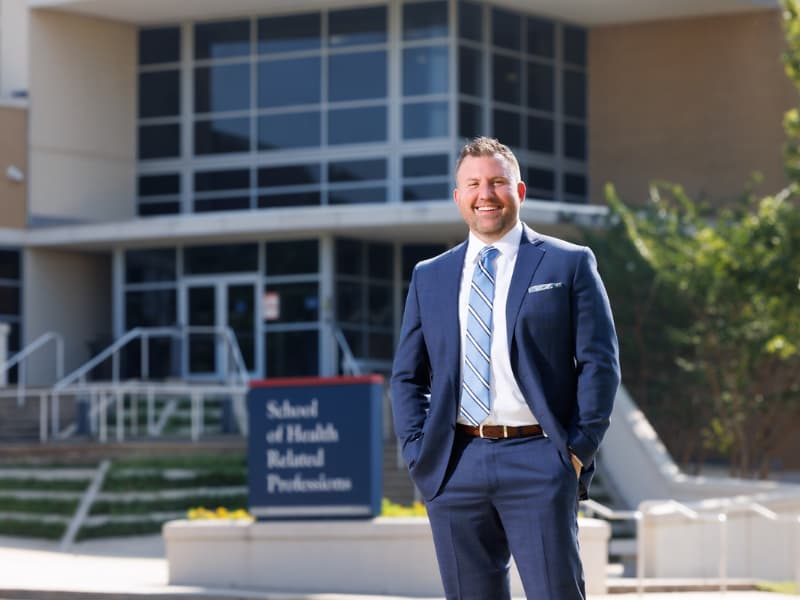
pixel 487 253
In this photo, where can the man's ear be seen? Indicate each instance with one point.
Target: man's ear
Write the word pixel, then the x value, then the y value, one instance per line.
pixel 521 189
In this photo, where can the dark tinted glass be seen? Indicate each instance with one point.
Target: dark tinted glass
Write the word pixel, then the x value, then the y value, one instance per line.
pixel 356 170
pixel 425 70
pixel 159 185
pixel 507 79
pixel 425 166
pixel 143 266
pixel 292 353
pixel 575 185
pixel 541 37
pixel 575 141
pixel 422 20
pixel 356 339
pixel 151 308
pixel 413 192
pixel 159 45
pixel 414 253
pixel 575 45
pixel 9 299
pixel 357 76
pixel 285 34
pixel 311 198
pixel 292 258
pixel 159 141
pixel 541 86
pixel 357 125
pixel 152 209
pixel 219 136
pixel 239 202
pixel 299 302
pixel 289 82
pixel 380 261
pixel 350 302
pixel 470 71
pixel 348 257
pixel 357 26
pixel 222 39
pixel 159 94
pixel 470 21
pixel 574 93
pixel 357 195
pixel 541 180
pixel 507 127
pixel 288 175
pixel 470 120
pixel 294 130
pixel 9 264
pixel 208 181
pixel 506 27
pixel 222 87
pixel 541 135
pixel 379 306
pixel 425 120
pixel 227 258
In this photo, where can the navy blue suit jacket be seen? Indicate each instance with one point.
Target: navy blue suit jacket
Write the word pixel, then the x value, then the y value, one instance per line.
pixel 562 345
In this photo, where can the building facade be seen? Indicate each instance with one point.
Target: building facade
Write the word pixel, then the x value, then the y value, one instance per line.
pixel 278 168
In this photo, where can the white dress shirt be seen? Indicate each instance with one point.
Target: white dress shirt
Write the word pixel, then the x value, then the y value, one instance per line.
pixel 508 404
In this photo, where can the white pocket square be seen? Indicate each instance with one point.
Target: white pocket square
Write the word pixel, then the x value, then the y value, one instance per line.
pixel 545 286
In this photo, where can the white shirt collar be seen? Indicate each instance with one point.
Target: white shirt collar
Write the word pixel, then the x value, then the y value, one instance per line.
pixel 508 245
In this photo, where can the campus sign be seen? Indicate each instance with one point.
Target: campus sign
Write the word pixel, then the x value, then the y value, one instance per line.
pixel 315 447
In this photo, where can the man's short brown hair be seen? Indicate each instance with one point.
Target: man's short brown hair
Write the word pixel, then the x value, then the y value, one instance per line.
pixel 486 146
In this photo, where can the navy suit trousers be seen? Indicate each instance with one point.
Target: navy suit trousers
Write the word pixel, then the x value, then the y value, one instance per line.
pixel 501 498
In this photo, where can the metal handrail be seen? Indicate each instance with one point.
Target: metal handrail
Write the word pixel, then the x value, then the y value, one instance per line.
pixel 350 364
pixel 22 355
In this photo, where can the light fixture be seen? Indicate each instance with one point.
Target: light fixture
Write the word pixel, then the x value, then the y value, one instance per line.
pixel 15 174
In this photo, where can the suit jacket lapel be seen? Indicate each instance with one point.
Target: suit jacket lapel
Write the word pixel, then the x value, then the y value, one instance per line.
pixel 528 259
pixel 450 281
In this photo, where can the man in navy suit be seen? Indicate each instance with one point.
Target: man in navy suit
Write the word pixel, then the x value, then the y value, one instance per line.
pixel 502 458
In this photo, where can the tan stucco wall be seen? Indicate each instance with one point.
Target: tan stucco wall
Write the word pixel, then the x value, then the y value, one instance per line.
pixel 83 115
pixel 68 293
pixel 695 101
pixel 13 142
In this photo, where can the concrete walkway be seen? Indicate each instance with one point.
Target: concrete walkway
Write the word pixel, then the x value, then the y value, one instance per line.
pixel 135 567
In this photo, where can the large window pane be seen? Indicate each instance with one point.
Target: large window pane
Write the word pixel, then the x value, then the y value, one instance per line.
pixel 470 120
pixel 575 45
pixel 288 175
pixel 349 257
pixel 417 192
pixel 357 26
pixel 425 166
pixel 292 258
pixel 293 130
pixel 541 37
pixel 222 203
pixel 221 88
pixel 541 135
pixel 292 353
pixel 309 198
pixel 507 79
pixel 357 125
pixel 159 94
pixel 212 181
pixel 357 195
pixel 470 71
pixel 148 266
pixel 575 141
pixel 289 82
pixel 574 187
pixel 574 93
pixel 507 127
pixel 159 141
pixel 470 21
pixel 349 302
pixel 288 33
pixel 541 183
pixel 222 39
pixel 153 209
pixel 380 305
pixel 159 45
pixel 541 86
pixel 158 185
pixel 298 302
pixel 9 299
pixel 506 29
pixel 220 258
pixel 425 70
pixel 425 120
pixel 414 253
pixel 357 170
pixel 219 136
pixel 150 308
pixel 380 261
pixel 422 20
pixel 357 76
pixel 9 264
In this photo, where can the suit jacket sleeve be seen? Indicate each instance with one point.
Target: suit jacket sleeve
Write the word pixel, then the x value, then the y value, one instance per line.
pixel 596 360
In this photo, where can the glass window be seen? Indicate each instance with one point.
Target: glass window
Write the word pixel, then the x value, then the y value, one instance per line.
pixel 507 127
pixel 470 120
pixel 349 302
pixel 299 302
pixel 220 258
pixel 278 199
pixel 227 202
pixel 291 130
pixel 425 70
pixel 470 21
pixel 357 76
pixel 222 39
pixel 291 353
pixel 422 20
pixel 159 94
pixel 470 71
pixel 541 183
pixel 208 181
pixel 506 26
pixel 289 82
pixel 221 88
pixel 574 93
pixel 150 308
pixel 357 170
pixel 159 185
pixel 379 305
pixel 415 192
pixel 425 120
pixel 574 141
pixel 9 299
pixel 357 125
pixel 381 345
pixel 507 79
pixel 9 264
pixel 159 141
pixel 357 26
pixel 541 135
pixel 289 33
pixel 541 86
pixel 361 195
pixel 288 175
pixel 425 166
pixel 159 45
pixel 414 253
pixel 541 37
pixel 575 185
pixel 380 261
pixel 152 265
pixel 153 209
pixel 348 257
pixel 575 45
pixel 292 258
pixel 219 136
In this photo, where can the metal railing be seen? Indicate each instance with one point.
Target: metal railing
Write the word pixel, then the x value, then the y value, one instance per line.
pixel 21 357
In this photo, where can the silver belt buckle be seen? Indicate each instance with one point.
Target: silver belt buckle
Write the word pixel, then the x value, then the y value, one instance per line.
pixel 480 430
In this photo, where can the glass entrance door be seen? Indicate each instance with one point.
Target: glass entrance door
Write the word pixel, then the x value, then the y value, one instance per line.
pixel 210 307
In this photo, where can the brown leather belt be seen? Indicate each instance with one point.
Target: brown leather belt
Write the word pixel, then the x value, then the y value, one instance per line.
pixel 499 432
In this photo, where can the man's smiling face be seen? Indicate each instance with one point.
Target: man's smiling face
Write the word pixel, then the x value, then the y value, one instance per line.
pixel 488 195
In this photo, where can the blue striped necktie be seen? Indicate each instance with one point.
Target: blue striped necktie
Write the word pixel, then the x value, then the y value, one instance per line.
pixel 475 397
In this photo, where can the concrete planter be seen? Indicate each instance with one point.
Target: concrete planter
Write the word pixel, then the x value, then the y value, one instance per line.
pixel 391 556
